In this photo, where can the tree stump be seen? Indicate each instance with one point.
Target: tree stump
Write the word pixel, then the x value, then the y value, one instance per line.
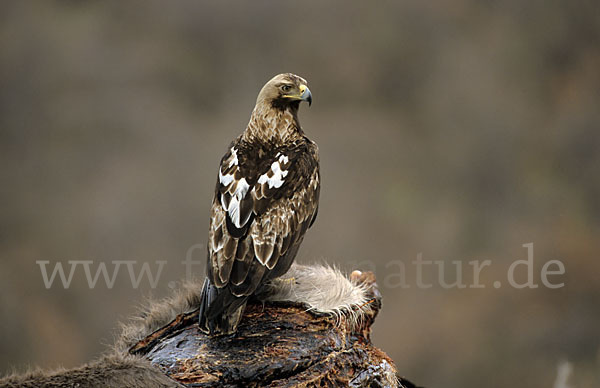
pixel 278 344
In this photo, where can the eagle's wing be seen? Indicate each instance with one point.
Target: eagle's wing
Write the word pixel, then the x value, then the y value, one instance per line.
pixel 230 217
pixel 258 220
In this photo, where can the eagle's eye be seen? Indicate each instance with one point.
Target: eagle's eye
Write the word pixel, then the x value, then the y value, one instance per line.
pixel 286 88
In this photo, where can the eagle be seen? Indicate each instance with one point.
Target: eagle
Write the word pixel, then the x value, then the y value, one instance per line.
pixel 266 197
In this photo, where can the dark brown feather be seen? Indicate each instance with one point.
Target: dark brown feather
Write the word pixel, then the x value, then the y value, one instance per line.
pixel 266 198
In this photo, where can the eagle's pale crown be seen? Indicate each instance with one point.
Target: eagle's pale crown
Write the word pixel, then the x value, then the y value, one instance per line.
pixel 275 116
pixel 284 90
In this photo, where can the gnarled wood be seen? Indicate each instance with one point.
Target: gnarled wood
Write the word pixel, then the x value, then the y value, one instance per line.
pixel 276 345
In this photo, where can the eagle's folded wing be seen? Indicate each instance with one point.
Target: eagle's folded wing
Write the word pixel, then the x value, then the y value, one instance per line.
pixel 261 216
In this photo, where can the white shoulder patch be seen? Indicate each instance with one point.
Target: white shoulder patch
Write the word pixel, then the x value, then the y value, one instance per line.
pixel 276 180
pixel 234 204
pixel 234 158
pixel 226 179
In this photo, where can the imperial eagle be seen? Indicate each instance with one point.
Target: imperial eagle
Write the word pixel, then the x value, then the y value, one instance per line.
pixel 266 198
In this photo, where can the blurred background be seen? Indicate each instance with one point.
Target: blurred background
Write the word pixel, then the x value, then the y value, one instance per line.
pixel 459 130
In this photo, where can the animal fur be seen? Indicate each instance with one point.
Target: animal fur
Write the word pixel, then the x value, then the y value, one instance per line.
pixel 322 289
pixel 115 370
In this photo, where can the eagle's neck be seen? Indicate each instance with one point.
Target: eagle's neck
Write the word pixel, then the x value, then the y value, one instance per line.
pixel 273 126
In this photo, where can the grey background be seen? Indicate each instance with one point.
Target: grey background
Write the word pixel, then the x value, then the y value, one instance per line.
pixel 456 129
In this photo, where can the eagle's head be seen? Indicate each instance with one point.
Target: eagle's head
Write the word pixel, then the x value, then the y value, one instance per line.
pixel 284 91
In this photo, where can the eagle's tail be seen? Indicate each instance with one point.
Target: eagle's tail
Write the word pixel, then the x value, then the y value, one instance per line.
pixel 220 310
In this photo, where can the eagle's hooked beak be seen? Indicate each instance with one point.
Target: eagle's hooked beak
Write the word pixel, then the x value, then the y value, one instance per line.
pixel 305 94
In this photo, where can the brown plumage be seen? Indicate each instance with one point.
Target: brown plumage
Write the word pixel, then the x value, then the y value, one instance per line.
pixel 266 198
